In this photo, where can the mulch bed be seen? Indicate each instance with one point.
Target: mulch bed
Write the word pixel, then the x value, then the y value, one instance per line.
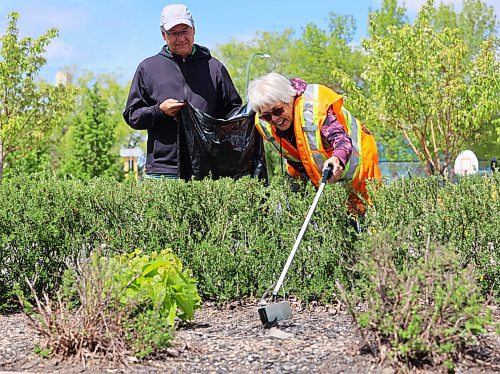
pixel 317 339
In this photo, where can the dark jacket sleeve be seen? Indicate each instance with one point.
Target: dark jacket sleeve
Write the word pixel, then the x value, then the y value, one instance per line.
pixel 140 113
pixel 229 98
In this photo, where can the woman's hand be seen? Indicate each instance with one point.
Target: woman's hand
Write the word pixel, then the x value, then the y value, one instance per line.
pixel 337 169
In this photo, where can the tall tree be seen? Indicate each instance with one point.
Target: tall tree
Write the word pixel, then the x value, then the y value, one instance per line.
pixel 389 15
pixel 423 85
pixel 475 23
pixel 115 96
pixel 317 52
pixel 92 140
pixel 28 110
pixel 311 55
pixel 236 55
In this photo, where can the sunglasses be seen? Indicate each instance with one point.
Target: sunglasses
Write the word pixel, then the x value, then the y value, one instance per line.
pixel 274 112
pixel 176 34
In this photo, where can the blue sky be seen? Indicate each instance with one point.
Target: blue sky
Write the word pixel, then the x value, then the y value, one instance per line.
pixel 116 35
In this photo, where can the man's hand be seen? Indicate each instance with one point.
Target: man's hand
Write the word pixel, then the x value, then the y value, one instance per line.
pixel 337 169
pixel 170 107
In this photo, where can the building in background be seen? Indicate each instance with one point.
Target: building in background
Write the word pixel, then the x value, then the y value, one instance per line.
pixel 133 160
pixel 63 77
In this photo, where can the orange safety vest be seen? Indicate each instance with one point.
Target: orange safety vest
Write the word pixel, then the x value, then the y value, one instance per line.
pixel 310 111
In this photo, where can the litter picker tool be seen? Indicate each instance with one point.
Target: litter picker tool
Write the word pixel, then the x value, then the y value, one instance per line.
pixel 270 314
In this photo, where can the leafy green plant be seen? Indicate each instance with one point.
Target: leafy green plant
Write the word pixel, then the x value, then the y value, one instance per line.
pixel 423 312
pixel 161 290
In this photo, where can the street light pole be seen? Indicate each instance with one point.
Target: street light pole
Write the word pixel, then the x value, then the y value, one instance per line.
pixel 262 55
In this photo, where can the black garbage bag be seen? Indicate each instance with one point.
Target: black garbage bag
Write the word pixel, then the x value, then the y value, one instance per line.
pixel 220 148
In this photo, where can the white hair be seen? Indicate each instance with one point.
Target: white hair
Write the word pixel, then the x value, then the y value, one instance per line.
pixel 268 90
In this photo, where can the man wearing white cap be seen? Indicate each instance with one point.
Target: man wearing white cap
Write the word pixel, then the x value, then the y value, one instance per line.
pixel 181 72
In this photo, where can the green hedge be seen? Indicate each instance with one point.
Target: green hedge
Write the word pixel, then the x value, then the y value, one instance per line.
pixel 236 235
pixel 463 215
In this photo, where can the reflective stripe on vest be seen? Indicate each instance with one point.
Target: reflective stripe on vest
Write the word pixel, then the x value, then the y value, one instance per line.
pixel 354 131
pixel 310 121
pixel 312 132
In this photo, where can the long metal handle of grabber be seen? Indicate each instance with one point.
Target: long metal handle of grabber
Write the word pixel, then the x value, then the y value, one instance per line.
pixel 326 173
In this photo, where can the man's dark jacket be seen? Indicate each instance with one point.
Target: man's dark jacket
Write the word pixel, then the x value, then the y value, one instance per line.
pixel 199 78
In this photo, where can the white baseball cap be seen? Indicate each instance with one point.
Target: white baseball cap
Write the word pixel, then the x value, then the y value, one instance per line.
pixel 175 14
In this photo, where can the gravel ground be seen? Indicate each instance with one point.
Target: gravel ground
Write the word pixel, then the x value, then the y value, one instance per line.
pixel 319 339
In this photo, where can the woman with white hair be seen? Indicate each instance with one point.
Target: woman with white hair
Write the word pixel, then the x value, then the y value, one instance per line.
pixel 310 128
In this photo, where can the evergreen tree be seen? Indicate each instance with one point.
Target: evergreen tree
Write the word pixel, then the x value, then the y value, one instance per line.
pixel 92 140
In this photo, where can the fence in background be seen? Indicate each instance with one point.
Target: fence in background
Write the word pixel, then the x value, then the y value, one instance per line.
pixel 404 169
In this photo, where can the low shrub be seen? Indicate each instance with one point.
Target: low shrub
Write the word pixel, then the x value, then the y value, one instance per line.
pixel 421 312
pixel 115 306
